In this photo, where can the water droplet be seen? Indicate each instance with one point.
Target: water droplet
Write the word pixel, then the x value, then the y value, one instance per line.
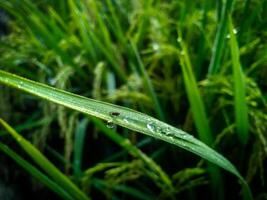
pixel 155 46
pixel 52 81
pixel 151 126
pixel 179 39
pixel 171 133
pixel 254 103
pixel 20 84
pixel 126 119
pixel 235 31
pixel 110 124
pixel 167 131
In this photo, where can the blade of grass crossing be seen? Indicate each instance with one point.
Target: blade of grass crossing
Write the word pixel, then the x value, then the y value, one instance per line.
pixel 110 57
pixel 94 8
pixel 78 147
pixel 35 172
pixel 196 103
pixel 136 194
pixel 219 5
pixel 202 44
pixel 81 23
pixel 240 105
pixel 219 42
pixel 117 27
pixel 144 23
pixel 198 111
pixel 148 83
pixel 45 164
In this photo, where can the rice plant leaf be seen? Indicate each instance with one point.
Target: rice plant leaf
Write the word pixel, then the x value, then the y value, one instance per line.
pixel 196 103
pixel 219 43
pixel 124 117
pixel 82 25
pixel 241 109
pixel 148 84
pixel 35 172
pixel 136 194
pixel 198 111
pixel 80 134
pixel 45 164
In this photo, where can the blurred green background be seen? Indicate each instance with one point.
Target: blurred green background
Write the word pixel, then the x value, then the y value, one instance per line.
pixel 198 65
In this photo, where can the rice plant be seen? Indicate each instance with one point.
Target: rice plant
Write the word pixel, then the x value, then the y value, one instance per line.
pixel 136 99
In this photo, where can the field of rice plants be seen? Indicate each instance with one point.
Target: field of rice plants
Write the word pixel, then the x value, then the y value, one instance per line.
pixel 133 99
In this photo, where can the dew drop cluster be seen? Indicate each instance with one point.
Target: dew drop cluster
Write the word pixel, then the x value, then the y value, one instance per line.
pixel 167 131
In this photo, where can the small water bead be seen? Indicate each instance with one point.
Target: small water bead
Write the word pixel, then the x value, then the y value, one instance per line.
pixel 168 134
pixel 176 133
pixel 167 131
pixel 52 81
pixel 126 119
pixel 155 46
pixel 235 31
pixel 20 84
pixel 110 124
pixel 151 126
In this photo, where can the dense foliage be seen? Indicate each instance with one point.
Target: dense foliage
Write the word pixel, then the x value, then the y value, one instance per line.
pixel 197 65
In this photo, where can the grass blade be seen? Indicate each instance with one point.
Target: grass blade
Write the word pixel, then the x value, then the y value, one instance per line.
pixel 219 42
pixel 45 164
pixel 124 117
pixel 241 109
pixel 78 147
pixel 148 83
pixel 136 194
pixel 115 22
pixel 198 111
pixel 82 23
pixel 35 172
pixel 196 103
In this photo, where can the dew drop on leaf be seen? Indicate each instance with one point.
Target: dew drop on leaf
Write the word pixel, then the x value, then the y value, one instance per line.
pixel 110 124
pixel 151 127
pixel 126 119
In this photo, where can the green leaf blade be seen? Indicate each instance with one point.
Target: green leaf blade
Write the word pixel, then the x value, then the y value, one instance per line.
pixel 240 105
pixel 45 164
pixel 126 117
pixel 35 172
